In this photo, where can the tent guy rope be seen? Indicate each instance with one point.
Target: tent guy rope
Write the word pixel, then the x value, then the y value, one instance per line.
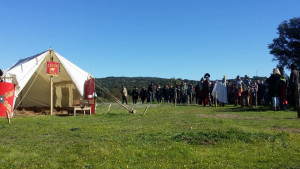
pixel 104 89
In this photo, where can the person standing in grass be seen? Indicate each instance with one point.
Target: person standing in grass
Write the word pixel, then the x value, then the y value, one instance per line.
pixel 135 94
pixel 282 89
pixel 143 94
pixel 165 93
pixel 158 94
pixel 199 93
pixel 190 93
pixel 238 90
pixel 172 93
pixel 206 89
pixel 260 92
pixel 273 84
pixel 151 94
pixel 124 94
pixel 294 88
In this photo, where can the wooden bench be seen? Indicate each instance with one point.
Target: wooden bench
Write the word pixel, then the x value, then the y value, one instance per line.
pixel 82 105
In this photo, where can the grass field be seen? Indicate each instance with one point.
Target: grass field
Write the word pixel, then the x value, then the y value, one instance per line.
pixel 166 137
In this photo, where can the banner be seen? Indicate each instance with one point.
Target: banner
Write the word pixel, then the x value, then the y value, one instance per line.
pixel 7 93
pixel 52 68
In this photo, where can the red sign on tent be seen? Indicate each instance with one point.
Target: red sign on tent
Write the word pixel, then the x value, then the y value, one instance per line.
pixel 7 93
pixel 52 68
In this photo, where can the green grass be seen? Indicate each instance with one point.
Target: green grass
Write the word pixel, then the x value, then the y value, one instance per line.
pixel 166 137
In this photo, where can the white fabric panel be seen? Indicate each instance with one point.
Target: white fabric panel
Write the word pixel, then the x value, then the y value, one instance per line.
pixel 38 95
pixel 24 71
pixel 221 90
pixel 77 75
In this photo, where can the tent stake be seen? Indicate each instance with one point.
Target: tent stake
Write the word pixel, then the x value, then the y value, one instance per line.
pixel 109 107
pixel 145 111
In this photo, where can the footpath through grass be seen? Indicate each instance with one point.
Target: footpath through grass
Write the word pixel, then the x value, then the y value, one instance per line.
pixel 166 137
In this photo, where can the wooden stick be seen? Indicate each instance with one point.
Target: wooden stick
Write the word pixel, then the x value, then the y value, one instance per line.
pixel 145 111
pixel 8 117
pixel 109 107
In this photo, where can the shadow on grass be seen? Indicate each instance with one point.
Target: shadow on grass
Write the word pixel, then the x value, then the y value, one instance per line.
pixel 245 109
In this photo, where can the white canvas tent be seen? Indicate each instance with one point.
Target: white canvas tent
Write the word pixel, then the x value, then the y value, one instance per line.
pixel 33 87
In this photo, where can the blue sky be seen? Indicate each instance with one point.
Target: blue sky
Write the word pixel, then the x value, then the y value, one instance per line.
pixel 153 38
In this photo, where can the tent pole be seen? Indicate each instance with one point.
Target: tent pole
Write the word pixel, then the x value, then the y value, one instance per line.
pixel 51 81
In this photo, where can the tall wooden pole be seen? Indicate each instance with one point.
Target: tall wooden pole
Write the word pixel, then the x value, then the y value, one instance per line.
pixel 51 98
pixel 51 82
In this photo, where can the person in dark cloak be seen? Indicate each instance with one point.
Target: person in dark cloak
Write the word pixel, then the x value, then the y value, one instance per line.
pixel 166 93
pixel 135 94
pixel 158 94
pixel 200 92
pixel 143 94
pixel 294 88
pixel 282 89
pixel 150 93
pixel 273 84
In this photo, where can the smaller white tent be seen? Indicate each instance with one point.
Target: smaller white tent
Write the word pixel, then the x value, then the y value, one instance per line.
pixel 33 87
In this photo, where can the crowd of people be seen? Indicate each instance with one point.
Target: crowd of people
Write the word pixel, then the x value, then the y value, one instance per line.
pixel 279 90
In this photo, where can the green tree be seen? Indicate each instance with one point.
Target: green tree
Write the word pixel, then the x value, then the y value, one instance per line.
pixel 286 48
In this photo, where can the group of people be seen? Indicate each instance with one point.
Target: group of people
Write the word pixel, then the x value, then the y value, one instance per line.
pixel 279 90
pixel 155 93
pixel 180 93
